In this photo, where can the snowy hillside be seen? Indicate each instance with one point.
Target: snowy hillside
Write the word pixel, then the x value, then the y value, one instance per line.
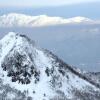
pixel 21 20
pixel 94 76
pixel 28 72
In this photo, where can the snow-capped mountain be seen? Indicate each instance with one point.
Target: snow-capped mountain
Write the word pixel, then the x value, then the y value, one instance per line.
pixel 21 20
pixel 28 72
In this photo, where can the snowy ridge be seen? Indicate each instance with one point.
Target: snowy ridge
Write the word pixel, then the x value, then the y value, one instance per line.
pixel 21 20
pixel 39 74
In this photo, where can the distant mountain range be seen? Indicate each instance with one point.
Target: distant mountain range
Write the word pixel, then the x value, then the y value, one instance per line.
pixel 21 20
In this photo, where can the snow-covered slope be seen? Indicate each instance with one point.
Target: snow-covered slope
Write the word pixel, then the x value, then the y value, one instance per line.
pixel 28 72
pixel 21 20
pixel 94 76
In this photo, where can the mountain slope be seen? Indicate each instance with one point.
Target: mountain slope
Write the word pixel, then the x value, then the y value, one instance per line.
pixel 21 20
pixel 37 74
pixel 93 76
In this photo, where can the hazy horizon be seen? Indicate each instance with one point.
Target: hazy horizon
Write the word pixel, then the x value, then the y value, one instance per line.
pixel 86 9
pixel 68 42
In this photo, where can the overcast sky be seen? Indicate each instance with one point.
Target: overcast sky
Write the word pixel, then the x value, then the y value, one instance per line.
pixel 39 3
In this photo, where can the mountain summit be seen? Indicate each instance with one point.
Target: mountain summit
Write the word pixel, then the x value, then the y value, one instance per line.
pixel 28 72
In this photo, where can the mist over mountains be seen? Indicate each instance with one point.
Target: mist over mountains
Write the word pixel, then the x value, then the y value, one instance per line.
pixel 69 41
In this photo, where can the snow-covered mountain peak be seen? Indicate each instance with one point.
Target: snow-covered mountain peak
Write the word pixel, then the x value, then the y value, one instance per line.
pixel 13 41
pixel 9 35
pixel 15 37
pixel 19 48
pixel 39 74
